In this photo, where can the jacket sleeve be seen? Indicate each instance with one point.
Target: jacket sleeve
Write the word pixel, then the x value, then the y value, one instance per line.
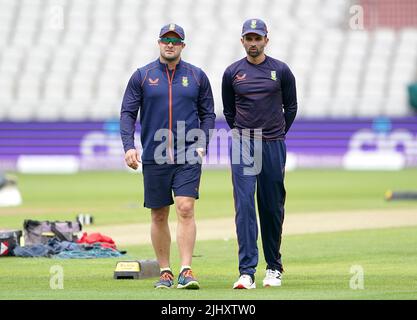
pixel 289 97
pixel 131 103
pixel 228 97
pixel 206 107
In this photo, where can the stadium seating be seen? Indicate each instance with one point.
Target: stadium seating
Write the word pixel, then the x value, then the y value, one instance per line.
pixel 71 59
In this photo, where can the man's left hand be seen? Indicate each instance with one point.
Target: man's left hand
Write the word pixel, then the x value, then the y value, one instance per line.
pixel 201 152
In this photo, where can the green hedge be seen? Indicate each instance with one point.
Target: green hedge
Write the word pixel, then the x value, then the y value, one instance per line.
pixel 412 93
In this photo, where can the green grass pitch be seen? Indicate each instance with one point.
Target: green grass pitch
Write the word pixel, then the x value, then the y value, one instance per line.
pixel 317 266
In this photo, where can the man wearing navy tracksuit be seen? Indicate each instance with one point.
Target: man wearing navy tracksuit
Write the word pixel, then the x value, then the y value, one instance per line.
pixel 176 113
pixel 259 92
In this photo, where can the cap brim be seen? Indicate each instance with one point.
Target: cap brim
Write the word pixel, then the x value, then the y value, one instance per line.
pixel 180 36
pixel 259 32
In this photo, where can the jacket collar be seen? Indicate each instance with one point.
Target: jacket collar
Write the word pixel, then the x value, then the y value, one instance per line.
pixel 163 66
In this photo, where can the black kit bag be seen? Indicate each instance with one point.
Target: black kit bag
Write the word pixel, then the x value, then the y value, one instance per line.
pixel 40 232
pixel 9 239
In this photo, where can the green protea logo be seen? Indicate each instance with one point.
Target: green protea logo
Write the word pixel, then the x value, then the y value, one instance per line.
pixel 184 81
pixel 253 24
pixel 274 75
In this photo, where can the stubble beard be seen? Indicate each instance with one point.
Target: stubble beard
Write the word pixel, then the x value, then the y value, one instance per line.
pixel 170 58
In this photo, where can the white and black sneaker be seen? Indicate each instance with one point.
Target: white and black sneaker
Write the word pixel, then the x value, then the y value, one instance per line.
pixel 272 278
pixel 245 282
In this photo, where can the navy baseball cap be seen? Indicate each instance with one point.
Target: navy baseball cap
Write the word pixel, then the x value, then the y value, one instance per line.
pixel 254 26
pixel 172 27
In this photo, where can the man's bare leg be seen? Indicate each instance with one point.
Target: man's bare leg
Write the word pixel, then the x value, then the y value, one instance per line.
pixel 186 229
pixel 161 236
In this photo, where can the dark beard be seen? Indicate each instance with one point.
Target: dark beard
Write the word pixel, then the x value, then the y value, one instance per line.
pixel 254 54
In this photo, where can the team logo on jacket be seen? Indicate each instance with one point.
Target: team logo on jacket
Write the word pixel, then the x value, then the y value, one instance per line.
pixel 184 81
pixel 240 78
pixel 153 82
pixel 274 75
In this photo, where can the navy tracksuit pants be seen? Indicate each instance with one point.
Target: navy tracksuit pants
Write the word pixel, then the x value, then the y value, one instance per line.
pixel 268 180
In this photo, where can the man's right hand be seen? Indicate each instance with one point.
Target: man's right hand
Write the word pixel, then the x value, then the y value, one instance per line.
pixel 132 158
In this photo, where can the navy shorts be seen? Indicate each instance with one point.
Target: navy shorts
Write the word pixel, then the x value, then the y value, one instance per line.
pixel 160 180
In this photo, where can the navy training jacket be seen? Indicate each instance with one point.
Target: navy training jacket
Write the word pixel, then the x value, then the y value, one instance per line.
pixel 164 98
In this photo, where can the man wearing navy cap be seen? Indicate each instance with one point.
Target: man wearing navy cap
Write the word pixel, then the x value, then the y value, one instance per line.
pixel 175 101
pixel 259 93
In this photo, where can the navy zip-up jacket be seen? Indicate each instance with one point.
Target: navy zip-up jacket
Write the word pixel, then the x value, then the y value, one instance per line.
pixel 165 97
pixel 260 96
